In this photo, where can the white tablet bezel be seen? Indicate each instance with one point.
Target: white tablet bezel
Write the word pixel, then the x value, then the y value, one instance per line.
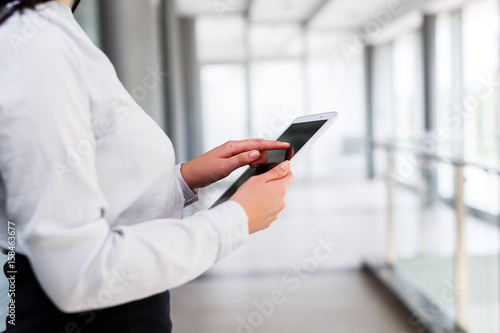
pixel 331 117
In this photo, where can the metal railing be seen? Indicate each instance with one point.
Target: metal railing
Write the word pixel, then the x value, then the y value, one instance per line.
pixel 461 262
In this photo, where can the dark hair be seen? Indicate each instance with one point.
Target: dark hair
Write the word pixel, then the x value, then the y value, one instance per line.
pixel 21 5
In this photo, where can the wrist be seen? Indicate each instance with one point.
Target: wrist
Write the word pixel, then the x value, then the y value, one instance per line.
pixel 186 173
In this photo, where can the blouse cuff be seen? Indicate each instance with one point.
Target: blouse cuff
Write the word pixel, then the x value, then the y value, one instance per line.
pixel 190 196
pixel 231 223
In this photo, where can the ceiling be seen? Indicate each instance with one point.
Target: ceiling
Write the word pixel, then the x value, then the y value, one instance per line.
pixel 327 14
pixel 283 10
pixel 280 11
pixel 346 13
pixel 210 7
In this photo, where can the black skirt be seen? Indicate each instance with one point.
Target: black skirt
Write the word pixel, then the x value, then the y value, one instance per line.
pixel 35 312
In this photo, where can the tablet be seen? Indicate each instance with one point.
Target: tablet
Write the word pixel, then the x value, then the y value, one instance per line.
pixel 301 134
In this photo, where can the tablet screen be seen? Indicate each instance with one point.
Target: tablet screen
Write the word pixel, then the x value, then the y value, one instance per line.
pixel 297 135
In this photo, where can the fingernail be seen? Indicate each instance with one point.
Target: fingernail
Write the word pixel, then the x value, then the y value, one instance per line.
pixel 254 154
pixel 285 166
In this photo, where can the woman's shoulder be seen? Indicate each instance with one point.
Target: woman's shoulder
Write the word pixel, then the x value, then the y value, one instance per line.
pixel 35 33
pixel 38 56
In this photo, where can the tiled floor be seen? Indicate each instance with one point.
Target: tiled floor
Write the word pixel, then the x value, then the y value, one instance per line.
pixel 340 302
pixel 307 262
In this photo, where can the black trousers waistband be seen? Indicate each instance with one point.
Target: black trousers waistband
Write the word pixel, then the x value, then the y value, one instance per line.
pixel 35 312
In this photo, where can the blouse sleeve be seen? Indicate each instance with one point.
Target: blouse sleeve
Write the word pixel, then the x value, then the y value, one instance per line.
pixel 61 227
pixel 190 196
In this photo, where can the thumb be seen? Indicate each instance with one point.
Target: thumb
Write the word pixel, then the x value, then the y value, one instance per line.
pixel 280 171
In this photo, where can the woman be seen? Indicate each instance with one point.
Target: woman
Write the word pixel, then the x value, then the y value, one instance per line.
pixel 90 187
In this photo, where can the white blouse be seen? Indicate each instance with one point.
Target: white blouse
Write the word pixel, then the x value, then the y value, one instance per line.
pixel 89 179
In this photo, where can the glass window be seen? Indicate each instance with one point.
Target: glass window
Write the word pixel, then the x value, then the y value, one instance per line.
pixel 283 40
pixel 446 81
pixel 221 40
pixel 397 89
pixel 481 35
pixel 408 96
pixel 398 100
pixel 480 119
pixel 382 96
pixel 224 115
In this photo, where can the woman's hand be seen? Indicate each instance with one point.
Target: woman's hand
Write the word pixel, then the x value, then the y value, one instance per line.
pixel 221 161
pixel 263 196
